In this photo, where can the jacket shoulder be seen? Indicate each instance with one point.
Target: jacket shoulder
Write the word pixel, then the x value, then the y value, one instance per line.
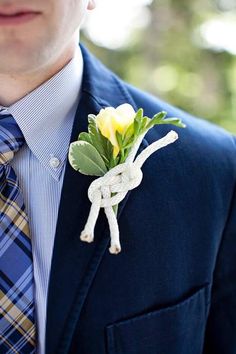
pixel 152 104
pixel 205 135
pixel 202 143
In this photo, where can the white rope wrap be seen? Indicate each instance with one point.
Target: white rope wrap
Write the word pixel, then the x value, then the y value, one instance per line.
pixel 120 179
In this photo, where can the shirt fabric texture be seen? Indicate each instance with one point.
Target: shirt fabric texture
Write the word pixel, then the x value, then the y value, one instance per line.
pixel 45 117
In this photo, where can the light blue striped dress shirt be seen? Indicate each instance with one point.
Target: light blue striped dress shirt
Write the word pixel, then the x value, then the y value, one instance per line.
pixel 45 116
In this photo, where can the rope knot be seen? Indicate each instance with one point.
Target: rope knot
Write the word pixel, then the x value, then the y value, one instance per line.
pixel 119 180
pixel 111 189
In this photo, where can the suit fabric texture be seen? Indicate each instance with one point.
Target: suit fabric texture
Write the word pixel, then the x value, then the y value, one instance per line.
pixel 172 289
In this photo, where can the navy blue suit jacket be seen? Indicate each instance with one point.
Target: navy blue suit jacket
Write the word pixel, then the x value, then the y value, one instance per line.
pixel 172 289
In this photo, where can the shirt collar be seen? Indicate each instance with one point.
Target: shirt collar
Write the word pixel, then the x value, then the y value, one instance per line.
pixel 45 115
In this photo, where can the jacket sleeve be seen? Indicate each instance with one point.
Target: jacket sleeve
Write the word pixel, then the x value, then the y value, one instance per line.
pixel 220 335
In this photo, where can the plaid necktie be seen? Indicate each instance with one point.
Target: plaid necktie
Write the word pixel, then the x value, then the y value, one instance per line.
pixel 17 324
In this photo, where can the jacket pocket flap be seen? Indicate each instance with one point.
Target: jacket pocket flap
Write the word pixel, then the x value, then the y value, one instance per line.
pixel 173 329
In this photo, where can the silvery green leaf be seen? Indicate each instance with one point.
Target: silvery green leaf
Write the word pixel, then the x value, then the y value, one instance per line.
pixel 85 137
pixel 92 119
pixel 84 158
pixel 98 140
pixel 109 148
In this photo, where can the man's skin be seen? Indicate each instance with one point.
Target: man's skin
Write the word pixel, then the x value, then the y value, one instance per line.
pixel 34 51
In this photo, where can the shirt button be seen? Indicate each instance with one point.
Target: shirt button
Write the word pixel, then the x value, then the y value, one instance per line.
pixel 54 162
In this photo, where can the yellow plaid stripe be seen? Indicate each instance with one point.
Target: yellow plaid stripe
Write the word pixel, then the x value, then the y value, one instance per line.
pixel 15 214
pixel 17 319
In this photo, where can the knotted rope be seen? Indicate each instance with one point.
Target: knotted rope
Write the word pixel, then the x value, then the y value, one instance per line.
pixel 119 180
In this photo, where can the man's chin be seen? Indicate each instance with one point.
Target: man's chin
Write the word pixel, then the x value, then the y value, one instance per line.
pixel 15 68
pixel 18 59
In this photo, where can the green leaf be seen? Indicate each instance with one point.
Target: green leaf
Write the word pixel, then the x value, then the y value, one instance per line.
pixel 139 115
pixel 145 122
pixel 109 149
pixel 100 142
pixel 114 161
pixel 129 132
pixel 105 159
pixel 119 139
pixel 97 140
pixel 92 128
pixel 85 137
pixel 138 121
pixel 157 118
pixel 84 158
pixel 128 136
pixel 136 128
pixel 174 121
pixel 92 119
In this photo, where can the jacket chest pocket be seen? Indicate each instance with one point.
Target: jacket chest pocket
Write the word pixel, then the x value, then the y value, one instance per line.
pixel 170 330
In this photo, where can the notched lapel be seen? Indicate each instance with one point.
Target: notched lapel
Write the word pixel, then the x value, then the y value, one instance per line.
pixel 74 262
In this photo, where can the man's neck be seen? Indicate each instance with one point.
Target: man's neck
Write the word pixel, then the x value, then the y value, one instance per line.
pixel 14 87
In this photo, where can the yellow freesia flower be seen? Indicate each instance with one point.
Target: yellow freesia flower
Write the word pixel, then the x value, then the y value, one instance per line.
pixel 110 120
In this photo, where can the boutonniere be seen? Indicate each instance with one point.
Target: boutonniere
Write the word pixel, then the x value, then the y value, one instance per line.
pixel 107 151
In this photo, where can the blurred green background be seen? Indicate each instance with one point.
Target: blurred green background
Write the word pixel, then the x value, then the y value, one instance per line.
pixel 179 50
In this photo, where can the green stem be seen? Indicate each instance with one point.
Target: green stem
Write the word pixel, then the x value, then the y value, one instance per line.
pixel 122 155
pixel 115 207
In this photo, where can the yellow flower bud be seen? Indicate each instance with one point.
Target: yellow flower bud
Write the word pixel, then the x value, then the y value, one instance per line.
pixel 110 120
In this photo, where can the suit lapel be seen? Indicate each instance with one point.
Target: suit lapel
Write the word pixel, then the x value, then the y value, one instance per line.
pixel 74 263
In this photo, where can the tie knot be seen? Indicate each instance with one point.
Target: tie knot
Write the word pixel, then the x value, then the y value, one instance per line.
pixel 11 138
